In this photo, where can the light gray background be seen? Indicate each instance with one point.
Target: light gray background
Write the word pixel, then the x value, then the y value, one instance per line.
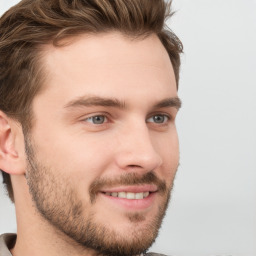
pixel 213 208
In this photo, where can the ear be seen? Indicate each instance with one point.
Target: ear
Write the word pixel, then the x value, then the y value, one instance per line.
pixel 12 153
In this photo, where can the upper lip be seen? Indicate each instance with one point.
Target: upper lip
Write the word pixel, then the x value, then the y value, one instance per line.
pixel 132 188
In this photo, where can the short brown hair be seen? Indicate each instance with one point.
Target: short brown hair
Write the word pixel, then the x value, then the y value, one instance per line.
pixel 32 23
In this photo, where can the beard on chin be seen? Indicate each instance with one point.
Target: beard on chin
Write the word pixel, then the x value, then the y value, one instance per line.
pixel 58 202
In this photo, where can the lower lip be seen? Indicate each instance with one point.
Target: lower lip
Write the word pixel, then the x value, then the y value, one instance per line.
pixel 132 204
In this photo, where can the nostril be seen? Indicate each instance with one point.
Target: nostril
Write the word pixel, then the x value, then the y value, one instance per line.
pixel 134 166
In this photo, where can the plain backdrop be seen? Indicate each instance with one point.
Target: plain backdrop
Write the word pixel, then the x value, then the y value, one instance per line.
pixel 213 206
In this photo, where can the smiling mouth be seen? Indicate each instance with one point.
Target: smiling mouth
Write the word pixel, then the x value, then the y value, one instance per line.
pixel 128 195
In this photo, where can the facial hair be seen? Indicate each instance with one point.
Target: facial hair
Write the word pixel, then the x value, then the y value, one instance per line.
pixel 58 202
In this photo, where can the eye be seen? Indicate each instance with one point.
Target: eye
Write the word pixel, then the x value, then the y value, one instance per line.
pixel 158 119
pixel 100 119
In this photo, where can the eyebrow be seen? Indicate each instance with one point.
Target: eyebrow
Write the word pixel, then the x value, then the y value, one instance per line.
pixel 113 102
pixel 169 102
pixel 95 101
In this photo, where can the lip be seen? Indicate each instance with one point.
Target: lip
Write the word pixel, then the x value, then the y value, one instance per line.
pixel 133 189
pixel 131 205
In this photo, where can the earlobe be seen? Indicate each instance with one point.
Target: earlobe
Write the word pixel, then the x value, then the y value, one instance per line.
pixel 11 157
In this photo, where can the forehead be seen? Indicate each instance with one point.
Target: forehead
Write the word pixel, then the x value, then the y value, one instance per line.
pixel 108 63
pixel 101 46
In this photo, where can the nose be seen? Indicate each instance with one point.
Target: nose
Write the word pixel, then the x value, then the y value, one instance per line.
pixel 135 149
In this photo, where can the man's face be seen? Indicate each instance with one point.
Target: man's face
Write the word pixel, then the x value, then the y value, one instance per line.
pixel 103 151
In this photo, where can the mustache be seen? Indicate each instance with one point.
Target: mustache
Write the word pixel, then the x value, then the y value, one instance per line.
pixel 127 179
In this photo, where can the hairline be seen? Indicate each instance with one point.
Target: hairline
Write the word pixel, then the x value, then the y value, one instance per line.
pixel 41 67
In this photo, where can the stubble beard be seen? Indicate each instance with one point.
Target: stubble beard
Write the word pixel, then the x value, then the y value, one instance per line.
pixel 57 201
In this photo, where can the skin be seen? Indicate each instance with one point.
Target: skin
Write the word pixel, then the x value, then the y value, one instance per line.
pixel 104 121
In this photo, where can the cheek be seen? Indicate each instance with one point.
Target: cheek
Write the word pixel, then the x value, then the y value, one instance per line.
pixel 167 144
pixel 81 158
pixel 168 148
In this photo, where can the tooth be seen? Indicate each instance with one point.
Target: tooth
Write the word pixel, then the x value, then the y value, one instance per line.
pixel 130 195
pixel 122 194
pixel 145 194
pixel 139 196
pixel 115 194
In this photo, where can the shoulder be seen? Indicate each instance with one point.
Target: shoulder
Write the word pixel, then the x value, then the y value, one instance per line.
pixel 6 241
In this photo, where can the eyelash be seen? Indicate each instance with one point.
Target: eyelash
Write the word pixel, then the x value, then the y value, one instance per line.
pixel 166 117
pixel 91 117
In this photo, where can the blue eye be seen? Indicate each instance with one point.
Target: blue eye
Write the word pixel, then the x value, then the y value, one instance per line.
pixel 96 119
pixel 158 119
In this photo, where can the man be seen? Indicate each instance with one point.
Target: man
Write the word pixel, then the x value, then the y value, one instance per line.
pixel 88 143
